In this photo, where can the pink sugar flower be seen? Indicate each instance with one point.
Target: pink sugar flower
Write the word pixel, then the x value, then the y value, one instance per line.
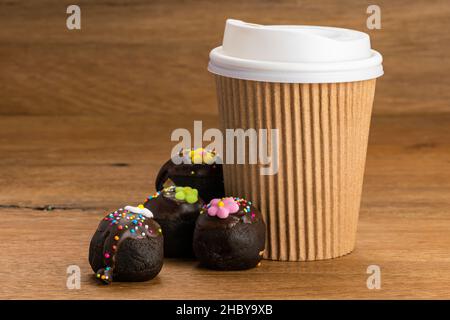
pixel 222 208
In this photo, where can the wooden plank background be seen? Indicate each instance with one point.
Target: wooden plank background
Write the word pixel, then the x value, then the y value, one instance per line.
pixel 147 57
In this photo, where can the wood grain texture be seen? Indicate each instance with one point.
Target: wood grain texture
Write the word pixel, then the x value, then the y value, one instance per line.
pixel 138 57
pixel 88 165
pixel 413 257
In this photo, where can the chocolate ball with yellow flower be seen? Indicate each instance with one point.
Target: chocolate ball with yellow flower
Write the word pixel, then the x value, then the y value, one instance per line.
pixel 198 168
pixel 176 209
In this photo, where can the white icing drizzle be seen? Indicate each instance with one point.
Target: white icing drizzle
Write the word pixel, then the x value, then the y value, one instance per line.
pixel 143 211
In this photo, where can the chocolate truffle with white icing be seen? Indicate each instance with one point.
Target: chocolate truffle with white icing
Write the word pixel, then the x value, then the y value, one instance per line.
pixel 176 209
pixel 198 168
pixel 229 235
pixel 127 246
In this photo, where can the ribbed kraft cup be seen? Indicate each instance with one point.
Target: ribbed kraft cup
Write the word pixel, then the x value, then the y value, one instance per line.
pixel 311 206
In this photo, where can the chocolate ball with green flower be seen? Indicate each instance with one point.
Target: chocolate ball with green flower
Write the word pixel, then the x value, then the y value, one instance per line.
pixel 176 209
pixel 187 194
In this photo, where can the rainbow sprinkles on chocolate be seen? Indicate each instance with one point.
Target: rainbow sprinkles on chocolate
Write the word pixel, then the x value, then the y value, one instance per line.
pixel 127 246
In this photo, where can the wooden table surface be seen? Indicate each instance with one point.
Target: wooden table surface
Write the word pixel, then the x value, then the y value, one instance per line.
pixel 84 166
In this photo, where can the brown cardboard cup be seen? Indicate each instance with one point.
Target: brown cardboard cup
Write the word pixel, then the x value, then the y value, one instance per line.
pixel 311 205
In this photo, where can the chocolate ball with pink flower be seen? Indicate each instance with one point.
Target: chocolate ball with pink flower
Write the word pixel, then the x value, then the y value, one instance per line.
pixel 176 209
pixel 198 168
pixel 229 235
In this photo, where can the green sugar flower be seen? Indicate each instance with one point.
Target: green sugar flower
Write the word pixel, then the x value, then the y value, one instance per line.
pixel 188 194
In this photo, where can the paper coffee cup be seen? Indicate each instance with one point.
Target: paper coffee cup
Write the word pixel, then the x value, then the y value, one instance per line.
pixel 316 86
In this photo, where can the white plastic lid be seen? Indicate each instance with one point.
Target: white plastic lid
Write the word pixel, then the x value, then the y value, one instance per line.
pixel 295 54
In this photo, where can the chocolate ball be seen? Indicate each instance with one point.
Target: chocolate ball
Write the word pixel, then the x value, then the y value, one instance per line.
pixel 176 209
pixel 229 235
pixel 200 170
pixel 127 246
